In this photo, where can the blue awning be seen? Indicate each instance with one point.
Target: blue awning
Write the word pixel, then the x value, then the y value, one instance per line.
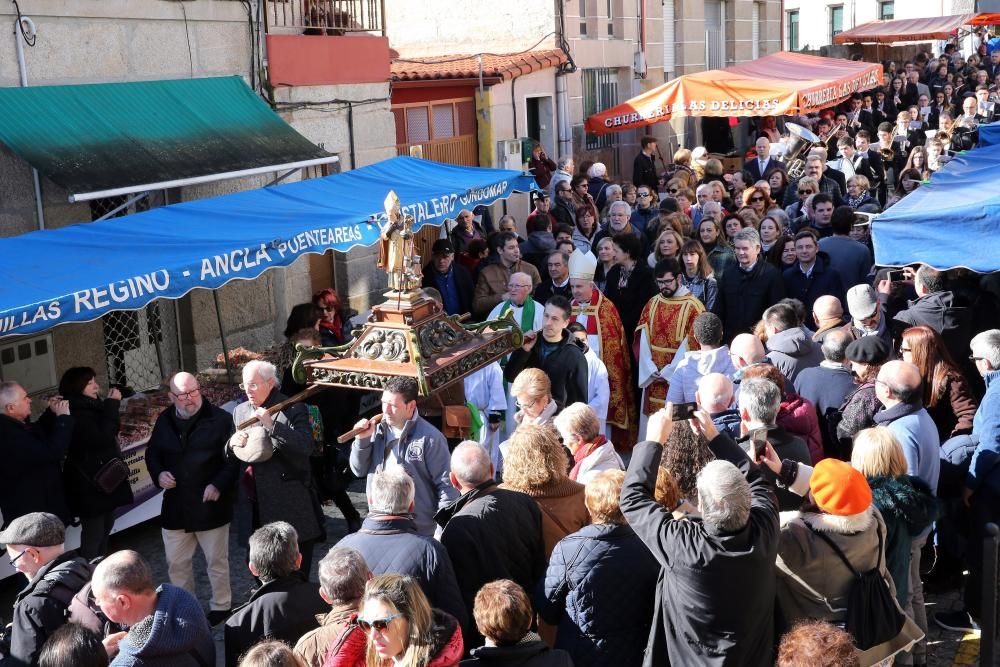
pixel 989 135
pixel 950 222
pixel 81 272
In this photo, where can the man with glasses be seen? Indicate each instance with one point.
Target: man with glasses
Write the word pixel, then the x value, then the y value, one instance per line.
pixel 185 457
pixel 666 332
pixel 814 167
pixel 31 478
pixel 277 479
pixel 644 165
pixel 491 287
pixel 36 549
pixel 868 314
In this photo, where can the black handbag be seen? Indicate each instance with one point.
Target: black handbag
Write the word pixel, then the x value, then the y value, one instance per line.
pixel 110 475
pixel 873 617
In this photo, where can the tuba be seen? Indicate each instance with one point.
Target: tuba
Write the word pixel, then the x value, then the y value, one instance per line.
pixel 800 141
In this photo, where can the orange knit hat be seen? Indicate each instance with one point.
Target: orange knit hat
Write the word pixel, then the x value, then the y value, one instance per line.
pixel 839 489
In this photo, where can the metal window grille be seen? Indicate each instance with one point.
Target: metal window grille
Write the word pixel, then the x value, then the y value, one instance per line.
pixel 755 30
pixel 600 92
pixel 140 346
pixel 715 36
pixel 886 11
pixel 331 17
pixel 793 31
pixel 836 21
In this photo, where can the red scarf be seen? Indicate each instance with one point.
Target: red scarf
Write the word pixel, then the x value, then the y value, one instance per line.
pixel 583 453
pixel 334 328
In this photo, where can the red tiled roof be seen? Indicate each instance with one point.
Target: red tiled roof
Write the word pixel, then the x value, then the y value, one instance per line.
pixel 495 67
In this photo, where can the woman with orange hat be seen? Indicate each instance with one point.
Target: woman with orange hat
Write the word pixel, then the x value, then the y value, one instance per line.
pixel 837 522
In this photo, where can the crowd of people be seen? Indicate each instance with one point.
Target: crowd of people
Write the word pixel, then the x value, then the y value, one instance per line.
pixel 728 438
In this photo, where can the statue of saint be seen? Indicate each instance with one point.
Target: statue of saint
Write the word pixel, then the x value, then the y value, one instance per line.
pixel 396 249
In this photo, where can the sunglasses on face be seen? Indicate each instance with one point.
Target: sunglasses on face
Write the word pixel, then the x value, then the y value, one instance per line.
pixel 643 194
pixel 756 199
pixel 380 624
pixel 805 192
pixel 565 190
pixel 673 191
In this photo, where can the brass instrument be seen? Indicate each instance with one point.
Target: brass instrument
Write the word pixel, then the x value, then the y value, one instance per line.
pixel 888 155
pixel 800 141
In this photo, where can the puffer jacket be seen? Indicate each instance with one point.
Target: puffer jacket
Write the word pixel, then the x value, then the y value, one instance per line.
pixel 792 351
pixel 907 507
pixel 599 590
pixel 695 365
pixel 175 635
pixel 798 417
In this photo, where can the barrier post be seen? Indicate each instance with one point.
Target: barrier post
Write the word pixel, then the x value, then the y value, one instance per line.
pixel 988 632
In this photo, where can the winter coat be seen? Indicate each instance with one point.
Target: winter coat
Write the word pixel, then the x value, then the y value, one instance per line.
pixel 597 188
pixel 582 243
pixel 566 367
pixel 42 607
pixel 94 443
pixel 918 436
pixel 826 387
pixel 728 422
pixel 175 635
pixel 722 259
pixel 283 609
pixel 446 645
pixel 492 533
pixel 542 168
pixel 283 485
pixel 603 458
pixel 392 544
pixel 849 259
pixel 793 448
pixel 940 312
pixel 195 459
pixel 745 295
pixel 798 416
pixel 907 507
pixel 984 468
pixel 706 289
pixel 644 219
pixel 695 365
pixel 814 583
pixel 631 299
pixel 821 280
pixel 423 452
pixel 537 248
pixel 697 621
pixel 857 414
pixel 492 284
pixel 563 511
pixel 599 591
pixel 31 478
pixel 955 409
pixel 531 651
pixel 313 645
pixel 460 277
pixel 792 351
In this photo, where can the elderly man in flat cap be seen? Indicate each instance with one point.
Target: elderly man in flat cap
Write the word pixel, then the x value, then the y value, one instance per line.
pixel 35 546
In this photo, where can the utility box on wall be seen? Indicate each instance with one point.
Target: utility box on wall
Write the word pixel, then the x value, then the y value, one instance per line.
pixel 509 154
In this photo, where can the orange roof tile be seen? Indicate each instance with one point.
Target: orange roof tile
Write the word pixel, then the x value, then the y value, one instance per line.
pixel 495 67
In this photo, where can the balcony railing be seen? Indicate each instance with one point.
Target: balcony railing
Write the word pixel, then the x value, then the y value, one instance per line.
pixel 461 150
pixel 325 17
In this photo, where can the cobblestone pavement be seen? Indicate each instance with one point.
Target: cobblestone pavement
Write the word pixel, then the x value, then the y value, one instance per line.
pixel 944 648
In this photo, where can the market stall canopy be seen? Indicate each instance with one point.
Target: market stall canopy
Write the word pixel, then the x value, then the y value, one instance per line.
pixel 989 135
pixel 949 222
pixel 778 84
pixel 107 139
pixel 81 272
pixel 905 30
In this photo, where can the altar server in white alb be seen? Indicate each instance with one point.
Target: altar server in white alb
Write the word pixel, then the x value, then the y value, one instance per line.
pixel 484 393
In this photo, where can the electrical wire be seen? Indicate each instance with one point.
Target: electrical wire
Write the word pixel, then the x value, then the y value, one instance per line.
pixel 337 104
pixel 20 26
pixel 187 36
pixel 430 61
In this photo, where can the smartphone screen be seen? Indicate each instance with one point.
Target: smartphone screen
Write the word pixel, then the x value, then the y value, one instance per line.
pixel 683 411
pixel 758 442
pixel 896 276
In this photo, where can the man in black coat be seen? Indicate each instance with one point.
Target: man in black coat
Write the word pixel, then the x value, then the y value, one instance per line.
pixel 937 308
pixel 285 607
pixel 811 276
pixel 185 458
pixel 35 546
pixel 556 352
pixel 31 478
pixel 695 621
pixel 490 533
pixel 748 290
pixel 644 165
pixel 389 542
pixel 451 279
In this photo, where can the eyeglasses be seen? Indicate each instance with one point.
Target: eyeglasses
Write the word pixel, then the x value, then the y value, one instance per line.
pixel 253 386
pixel 518 286
pixel 643 194
pixel 380 624
pixel 565 190
pixel 756 199
pixel 666 281
pixel 581 185
pixel 973 358
pixel 328 309
pixel 18 557
pixel 905 349
pixel 526 404
pixel 186 395
pixel 673 191
pixel 805 192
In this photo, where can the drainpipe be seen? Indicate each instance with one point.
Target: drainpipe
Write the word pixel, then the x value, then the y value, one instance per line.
pixel 28 26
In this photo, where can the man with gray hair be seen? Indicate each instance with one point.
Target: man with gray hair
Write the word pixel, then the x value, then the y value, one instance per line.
pixel 285 606
pixel 715 397
pixel 748 289
pixel 31 478
pixel 277 478
pixel 343 574
pixel 826 386
pixel 759 403
pixel 490 533
pixel 736 541
pixel 563 174
pixel 390 542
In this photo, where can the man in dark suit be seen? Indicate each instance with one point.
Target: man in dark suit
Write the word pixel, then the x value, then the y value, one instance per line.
pixel 451 279
pixel 762 164
pixel 644 165
pixel 858 161
pixel 869 117
pixel 864 147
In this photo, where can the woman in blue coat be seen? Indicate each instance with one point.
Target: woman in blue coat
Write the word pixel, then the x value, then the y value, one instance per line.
pixel 600 586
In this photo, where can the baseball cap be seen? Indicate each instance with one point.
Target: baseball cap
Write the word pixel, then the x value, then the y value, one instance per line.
pixel 38 529
pixel 862 302
pixel 442 247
